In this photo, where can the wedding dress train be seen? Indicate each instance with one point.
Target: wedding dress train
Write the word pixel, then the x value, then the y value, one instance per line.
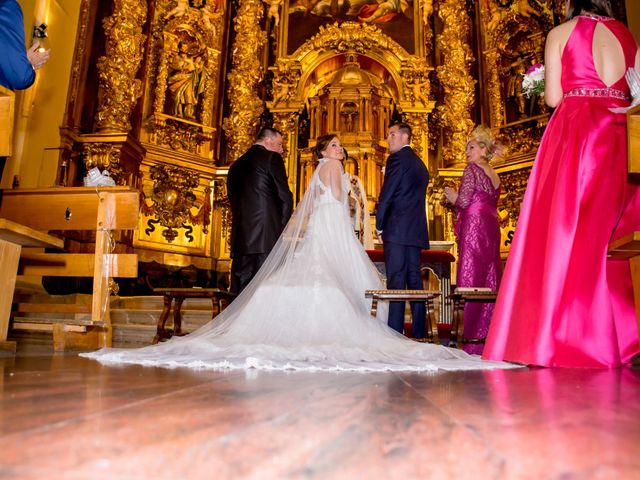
pixel 305 309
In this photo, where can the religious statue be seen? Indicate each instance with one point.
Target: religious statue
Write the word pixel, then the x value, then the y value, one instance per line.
pixel 420 90
pixel 514 86
pixel 185 82
pixel 273 11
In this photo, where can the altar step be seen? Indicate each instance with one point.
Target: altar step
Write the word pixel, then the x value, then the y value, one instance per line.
pixel 134 319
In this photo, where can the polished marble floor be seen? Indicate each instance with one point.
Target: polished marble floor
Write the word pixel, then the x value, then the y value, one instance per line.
pixel 65 417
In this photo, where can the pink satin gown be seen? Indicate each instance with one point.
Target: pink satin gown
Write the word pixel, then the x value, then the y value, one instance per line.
pixel 479 263
pixel 561 303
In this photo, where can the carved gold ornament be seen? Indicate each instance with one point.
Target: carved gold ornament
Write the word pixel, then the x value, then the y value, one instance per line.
pixel 119 87
pixel 172 201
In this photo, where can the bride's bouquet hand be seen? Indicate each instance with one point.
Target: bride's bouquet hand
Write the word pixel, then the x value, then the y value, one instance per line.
pixel 633 79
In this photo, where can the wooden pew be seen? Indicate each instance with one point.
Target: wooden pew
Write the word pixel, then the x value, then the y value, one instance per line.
pixel 103 210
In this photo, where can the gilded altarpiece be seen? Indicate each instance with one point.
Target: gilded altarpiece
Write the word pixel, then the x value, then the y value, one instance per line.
pixel 179 131
pixel 349 69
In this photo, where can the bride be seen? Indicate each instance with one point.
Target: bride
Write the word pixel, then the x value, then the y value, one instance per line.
pixel 305 309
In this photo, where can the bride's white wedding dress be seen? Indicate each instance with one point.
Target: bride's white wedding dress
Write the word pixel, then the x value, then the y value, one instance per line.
pixel 305 309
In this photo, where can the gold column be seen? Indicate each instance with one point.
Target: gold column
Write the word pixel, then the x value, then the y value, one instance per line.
pixel 496 104
pixel 286 121
pixel 119 88
pixel 244 77
pixel 456 80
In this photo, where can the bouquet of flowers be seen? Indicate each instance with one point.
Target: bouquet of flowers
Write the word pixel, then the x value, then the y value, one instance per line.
pixel 533 81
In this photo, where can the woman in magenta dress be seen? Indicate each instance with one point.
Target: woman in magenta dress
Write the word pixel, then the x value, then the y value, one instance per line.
pixel 478 234
pixel 561 303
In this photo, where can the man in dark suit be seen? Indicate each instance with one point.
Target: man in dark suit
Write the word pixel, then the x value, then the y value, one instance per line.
pixel 261 205
pixel 401 223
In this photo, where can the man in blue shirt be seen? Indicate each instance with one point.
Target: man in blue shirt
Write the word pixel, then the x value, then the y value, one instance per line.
pixel 17 64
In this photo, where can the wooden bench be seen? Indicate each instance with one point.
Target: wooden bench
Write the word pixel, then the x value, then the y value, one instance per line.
pixel 427 296
pixel 459 297
pixel 13 237
pixel 219 299
pixel 102 210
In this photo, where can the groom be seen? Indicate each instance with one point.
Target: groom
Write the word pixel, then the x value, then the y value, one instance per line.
pixel 261 204
pixel 401 223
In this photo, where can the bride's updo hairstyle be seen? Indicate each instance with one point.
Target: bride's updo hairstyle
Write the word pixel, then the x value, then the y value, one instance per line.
pixel 483 136
pixel 586 7
pixel 321 145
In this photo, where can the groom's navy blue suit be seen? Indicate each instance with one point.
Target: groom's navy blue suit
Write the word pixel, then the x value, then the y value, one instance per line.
pixel 401 216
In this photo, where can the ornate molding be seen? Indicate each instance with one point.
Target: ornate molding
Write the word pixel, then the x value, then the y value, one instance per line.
pixel 221 201
pixel 522 139
pixel 119 88
pixel 419 122
pixel 350 36
pixel 105 156
pixel 178 135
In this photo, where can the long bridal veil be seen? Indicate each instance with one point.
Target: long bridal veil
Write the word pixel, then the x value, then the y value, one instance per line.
pixel 305 309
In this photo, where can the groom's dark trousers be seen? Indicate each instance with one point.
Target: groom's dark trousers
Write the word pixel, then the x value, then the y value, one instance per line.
pixel 402 264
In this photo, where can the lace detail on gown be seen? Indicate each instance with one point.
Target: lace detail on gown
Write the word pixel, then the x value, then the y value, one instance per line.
pixel 304 310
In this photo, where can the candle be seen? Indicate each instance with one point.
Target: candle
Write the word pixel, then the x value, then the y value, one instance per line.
pixel 40 11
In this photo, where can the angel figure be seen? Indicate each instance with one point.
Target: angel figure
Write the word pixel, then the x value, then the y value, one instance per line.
pixel 273 11
pixel 210 12
pixel 180 9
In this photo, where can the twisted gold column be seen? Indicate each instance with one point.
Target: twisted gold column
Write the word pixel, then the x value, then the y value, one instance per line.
pixel 456 80
pixel 246 73
pixel 119 88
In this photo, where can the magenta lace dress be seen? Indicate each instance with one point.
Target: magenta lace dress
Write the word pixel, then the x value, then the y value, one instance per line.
pixel 478 235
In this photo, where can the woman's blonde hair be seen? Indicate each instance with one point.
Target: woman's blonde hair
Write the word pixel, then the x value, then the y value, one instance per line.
pixel 483 136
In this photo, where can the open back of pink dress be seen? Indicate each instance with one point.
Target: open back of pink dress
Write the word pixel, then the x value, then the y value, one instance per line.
pixel 561 303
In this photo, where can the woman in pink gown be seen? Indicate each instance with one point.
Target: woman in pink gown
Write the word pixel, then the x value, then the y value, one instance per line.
pixel 478 234
pixel 561 303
